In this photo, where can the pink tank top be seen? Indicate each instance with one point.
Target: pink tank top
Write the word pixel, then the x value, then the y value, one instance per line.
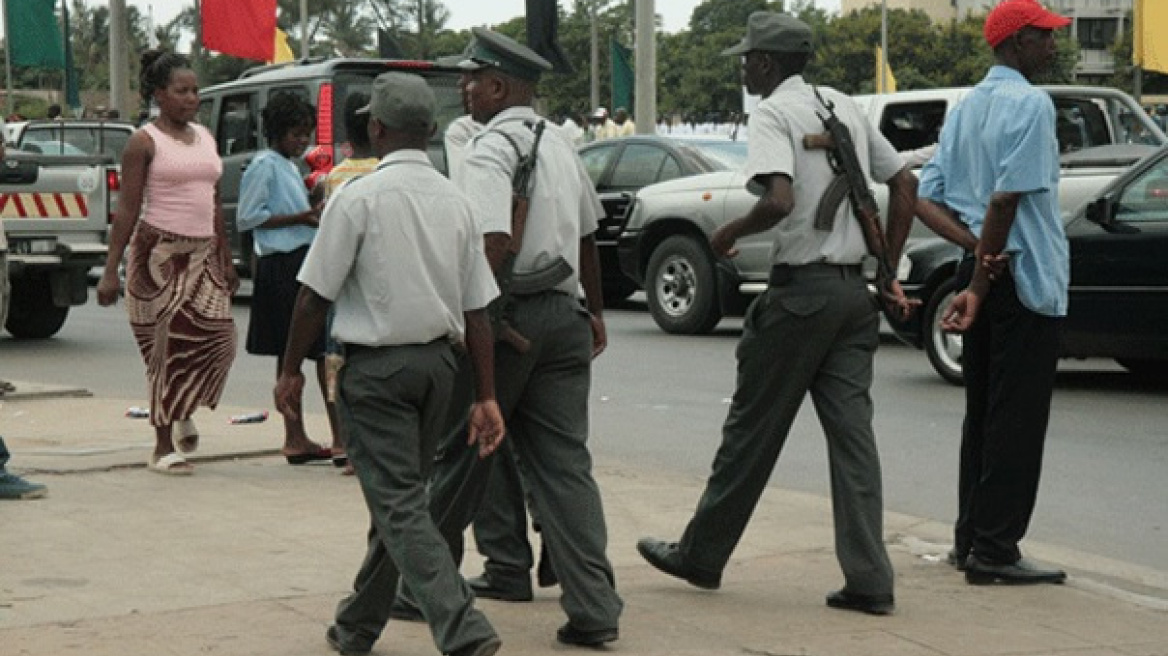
pixel 180 183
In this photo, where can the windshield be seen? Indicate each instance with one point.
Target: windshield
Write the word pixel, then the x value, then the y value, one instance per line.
pixel 722 155
pixel 65 139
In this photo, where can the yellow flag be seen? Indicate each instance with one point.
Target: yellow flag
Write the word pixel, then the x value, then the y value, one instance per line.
pixel 1150 51
pixel 283 52
pixel 885 80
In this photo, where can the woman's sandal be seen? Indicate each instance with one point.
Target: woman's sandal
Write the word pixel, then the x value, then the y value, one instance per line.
pixel 171 464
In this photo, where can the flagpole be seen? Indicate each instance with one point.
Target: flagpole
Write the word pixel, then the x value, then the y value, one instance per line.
pixel 304 29
pixel 9 101
pixel 595 54
pixel 884 46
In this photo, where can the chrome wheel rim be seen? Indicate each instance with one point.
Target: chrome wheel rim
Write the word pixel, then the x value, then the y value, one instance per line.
pixel 677 286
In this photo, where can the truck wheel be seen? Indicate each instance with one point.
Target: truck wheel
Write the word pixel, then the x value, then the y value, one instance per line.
pixel 681 286
pixel 31 312
pixel 944 349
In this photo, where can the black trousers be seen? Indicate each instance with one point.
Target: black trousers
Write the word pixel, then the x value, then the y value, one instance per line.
pixel 1010 356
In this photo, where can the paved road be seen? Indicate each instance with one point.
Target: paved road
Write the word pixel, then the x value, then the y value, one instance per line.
pixel 660 400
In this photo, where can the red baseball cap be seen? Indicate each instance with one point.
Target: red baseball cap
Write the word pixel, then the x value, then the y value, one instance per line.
pixel 1013 15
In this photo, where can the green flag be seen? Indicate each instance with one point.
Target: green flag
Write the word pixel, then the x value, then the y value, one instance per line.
pixel 622 75
pixel 34 37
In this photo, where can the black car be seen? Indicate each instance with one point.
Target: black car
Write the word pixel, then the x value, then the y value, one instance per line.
pixel 1119 279
pixel 620 167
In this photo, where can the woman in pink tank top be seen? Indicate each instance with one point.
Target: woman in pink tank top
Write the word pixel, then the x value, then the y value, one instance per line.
pixel 179 274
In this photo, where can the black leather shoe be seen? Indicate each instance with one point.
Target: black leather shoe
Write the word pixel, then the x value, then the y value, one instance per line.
pixel 871 604
pixel 405 611
pixel 334 640
pixel 484 588
pixel 957 559
pixel 666 557
pixel 484 647
pixel 570 635
pixel 1022 572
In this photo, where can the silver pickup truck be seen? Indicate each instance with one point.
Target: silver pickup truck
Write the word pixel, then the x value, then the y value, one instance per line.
pixel 664 243
pixel 55 215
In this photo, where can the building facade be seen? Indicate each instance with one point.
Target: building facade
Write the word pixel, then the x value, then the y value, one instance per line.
pixel 1097 25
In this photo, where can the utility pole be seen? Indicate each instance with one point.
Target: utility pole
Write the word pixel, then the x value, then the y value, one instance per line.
pixel 304 29
pixel 884 65
pixel 594 31
pixel 119 66
pixel 645 110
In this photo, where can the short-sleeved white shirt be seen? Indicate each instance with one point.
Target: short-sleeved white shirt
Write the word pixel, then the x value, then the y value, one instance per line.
pixel 777 127
pixel 400 254
pixel 457 141
pixel 564 206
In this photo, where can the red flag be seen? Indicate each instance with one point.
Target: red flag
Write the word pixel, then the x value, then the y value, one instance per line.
pixel 242 28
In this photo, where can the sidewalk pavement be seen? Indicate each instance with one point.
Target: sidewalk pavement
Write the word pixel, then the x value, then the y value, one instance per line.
pixel 249 556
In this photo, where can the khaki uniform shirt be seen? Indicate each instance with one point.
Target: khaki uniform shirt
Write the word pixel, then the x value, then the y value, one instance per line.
pixel 777 127
pixel 400 254
pixel 564 206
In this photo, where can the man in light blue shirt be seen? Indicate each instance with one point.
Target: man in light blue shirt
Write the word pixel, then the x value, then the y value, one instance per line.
pixel 997 170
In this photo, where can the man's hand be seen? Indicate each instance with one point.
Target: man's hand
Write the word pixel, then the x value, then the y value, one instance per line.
pixel 108 288
pixel 288 395
pixel 960 314
pixel 722 241
pixel 896 302
pixel 486 427
pixel 599 335
pixel 995 264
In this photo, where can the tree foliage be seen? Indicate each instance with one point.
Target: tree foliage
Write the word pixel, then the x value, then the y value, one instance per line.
pixel 693 77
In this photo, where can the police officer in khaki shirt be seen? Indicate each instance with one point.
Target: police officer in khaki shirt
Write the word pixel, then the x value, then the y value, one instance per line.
pixel 543 392
pixel 400 255
pixel 814 331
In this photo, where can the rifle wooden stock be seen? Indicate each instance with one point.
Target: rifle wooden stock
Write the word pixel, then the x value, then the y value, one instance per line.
pixel 506 333
pixel 821 141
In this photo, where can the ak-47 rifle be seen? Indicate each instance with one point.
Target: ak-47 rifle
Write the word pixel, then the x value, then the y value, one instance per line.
pixel 501 308
pixel 850 182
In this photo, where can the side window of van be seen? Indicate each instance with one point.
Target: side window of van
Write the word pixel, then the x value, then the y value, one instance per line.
pixel 238 129
pixel 204 115
pixel 913 125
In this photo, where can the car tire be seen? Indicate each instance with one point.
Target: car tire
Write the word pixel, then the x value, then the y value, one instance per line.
pixel 682 288
pixel 944 349
pixel 31 312
pixel 1156 369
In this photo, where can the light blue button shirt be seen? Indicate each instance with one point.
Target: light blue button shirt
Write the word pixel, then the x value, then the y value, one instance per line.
pixel 272 186
pixel 1001 138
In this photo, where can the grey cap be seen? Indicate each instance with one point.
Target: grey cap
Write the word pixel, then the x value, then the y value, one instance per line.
pixel 772 32
pixel 493 50
pixel 401 101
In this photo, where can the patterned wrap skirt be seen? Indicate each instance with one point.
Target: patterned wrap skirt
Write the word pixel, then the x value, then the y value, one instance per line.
pixel 180 312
